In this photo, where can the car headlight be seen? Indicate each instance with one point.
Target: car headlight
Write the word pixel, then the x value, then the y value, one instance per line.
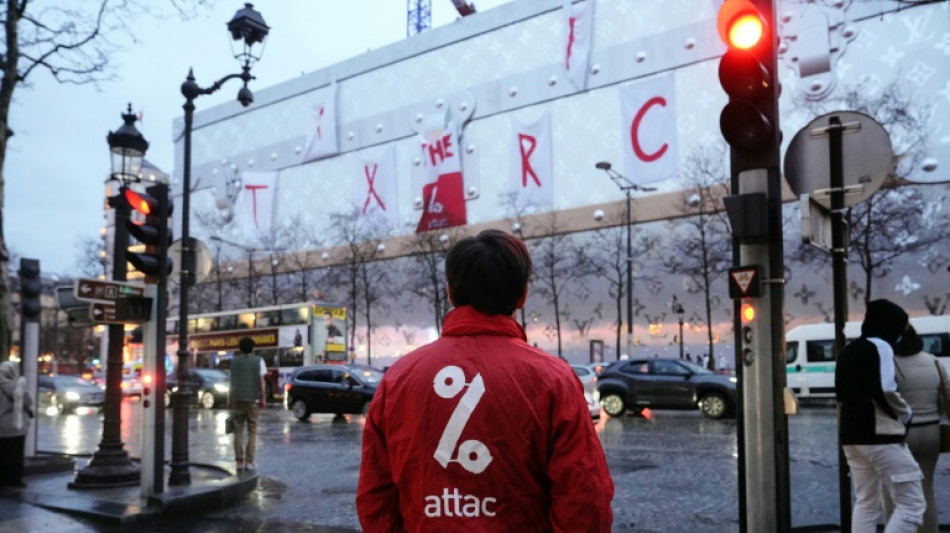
pixel 221 387
pixel 734 380
pixel 72 396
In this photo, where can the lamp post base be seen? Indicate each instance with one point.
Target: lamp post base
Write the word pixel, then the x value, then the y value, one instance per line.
pixel 109 467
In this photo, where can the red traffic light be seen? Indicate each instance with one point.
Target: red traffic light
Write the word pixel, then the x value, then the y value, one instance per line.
pixel 740 24
pixel 141 202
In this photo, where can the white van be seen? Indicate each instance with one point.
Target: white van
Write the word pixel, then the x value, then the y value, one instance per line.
pixel 809 352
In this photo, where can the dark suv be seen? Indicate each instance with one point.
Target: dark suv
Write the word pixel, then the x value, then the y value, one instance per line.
pixel 665 384
pixel 336 389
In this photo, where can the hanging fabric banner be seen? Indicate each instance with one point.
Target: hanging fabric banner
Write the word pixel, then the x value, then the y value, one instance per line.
pixel 531 162
pixel 579 27
pixel 443 195
pixel 375 189
pixel 256 206
pixel 321 139
pixel 649 129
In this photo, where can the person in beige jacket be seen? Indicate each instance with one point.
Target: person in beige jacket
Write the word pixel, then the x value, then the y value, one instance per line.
pixel 921 380
pixel 15 406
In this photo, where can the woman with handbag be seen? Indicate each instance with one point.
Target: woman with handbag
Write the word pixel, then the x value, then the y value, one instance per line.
pixel 925 385
pixel 15 406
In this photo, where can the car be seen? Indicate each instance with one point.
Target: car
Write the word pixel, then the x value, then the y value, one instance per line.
pixel 593 406
pixel 635 384
pixel 66 393
pixel 335 389
pixel 587 376
pixel 208 387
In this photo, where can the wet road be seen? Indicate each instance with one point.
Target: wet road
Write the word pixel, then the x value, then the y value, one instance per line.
pixel 676 472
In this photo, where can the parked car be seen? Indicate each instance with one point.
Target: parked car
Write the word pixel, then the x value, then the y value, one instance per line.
pixel 587 376
pixel 208 387
pixel 337 389
pixel 592 405
pixel 66 393
pixel 665 384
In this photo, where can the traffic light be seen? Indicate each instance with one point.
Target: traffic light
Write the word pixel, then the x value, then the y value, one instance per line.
pixel 154 233
pixel 30 288
pixel 748 74
pixel 147 387
pixel 747 313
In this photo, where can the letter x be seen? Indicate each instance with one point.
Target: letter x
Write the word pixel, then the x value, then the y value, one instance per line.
pixel 371 193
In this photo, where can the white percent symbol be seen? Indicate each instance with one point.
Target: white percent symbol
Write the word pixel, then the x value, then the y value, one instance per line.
pixel 473 455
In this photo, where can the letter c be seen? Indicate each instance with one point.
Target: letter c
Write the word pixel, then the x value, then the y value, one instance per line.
pixel 635 130
pixel 485 510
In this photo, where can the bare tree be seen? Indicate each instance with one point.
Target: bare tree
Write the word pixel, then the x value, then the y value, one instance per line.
pixel 425 271
pixel 90 257
pixel 560 262
pixel 294 235
pixel 608 253
pixel 701 245
pixel 898 219
pixel 366 279
pixel 74 43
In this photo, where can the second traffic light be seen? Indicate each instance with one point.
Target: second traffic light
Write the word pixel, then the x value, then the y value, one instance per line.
pixel 154 233
pixel 748 74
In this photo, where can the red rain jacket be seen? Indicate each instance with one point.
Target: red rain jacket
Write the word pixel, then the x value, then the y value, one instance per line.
pixel 479 431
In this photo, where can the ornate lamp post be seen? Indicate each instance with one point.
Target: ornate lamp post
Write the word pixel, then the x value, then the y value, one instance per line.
pixel 678 309
pixel 627 187
pixel 247 26
pixel 110 466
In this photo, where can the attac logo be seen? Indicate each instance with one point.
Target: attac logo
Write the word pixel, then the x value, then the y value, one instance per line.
pixel 744 282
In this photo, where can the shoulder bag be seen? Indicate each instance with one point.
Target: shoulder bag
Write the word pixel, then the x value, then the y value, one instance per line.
pixel 945 405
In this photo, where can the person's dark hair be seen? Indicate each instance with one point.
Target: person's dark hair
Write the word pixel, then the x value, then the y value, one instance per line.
pixel 884 319
pixel 488 272
pixel 246 344
pixel 910 342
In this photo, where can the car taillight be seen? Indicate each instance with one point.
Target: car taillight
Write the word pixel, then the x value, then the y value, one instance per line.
pixel 287 387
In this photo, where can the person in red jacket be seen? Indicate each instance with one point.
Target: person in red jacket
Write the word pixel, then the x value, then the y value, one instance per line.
pixel 479 431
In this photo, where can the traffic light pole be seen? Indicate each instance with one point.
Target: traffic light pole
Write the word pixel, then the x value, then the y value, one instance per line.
pixel 110 466
pixel 30 341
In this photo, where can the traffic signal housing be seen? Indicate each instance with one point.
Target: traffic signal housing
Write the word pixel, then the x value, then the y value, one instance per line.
pixel 30 288
pixel 748 74
pixel 154 233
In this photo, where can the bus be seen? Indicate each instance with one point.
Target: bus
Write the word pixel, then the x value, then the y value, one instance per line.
pixel 286 336
pixel 810 360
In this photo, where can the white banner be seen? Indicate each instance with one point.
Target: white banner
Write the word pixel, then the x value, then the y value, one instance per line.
pixel 375 188
pixel 321 139
pixel 649 129
pixel 579 27
pixel 531 162
pixel 255 207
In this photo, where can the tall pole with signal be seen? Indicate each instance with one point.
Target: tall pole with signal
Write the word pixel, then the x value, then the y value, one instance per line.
pixel 750 124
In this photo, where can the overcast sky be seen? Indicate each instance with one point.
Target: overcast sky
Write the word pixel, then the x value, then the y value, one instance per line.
pixel 58 160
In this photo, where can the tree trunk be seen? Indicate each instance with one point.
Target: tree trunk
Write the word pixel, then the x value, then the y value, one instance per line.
pixel 7 85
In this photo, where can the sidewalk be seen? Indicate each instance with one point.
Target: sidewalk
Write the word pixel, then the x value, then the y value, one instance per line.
pixel 47 479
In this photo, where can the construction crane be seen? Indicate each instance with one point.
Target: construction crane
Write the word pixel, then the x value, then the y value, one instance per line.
pixel 419 14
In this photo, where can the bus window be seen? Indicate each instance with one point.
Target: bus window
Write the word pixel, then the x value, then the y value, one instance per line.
pixel 291 317
pixel 290 357
pixel 192 324
pixel 791 352
pixel 269 356
pixel 205 324
pixel 819 351
pixel 245 321
pixel 227 322
pixel 267 319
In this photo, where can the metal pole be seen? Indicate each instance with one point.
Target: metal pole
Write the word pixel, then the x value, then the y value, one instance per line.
pixel 250 279
pixel 180 474
pixel 681 337
pixel 840 287
pixel 630 338
pixel 110 465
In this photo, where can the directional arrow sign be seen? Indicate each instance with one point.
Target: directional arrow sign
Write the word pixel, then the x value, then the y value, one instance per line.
pixel 103 313
pixel 94 290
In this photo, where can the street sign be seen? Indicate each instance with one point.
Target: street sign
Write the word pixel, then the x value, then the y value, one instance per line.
pixel 79 317
pixel 103 313
pixel 66 300
pixel 867 158
pixel 203 260
pixel 744 282
pixel 133 310
pixel 94 290
pixel 816 224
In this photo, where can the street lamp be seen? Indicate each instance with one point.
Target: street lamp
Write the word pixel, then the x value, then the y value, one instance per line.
pixel 247 26
pixel 678 309
pixel 110 465
pixel 627 187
